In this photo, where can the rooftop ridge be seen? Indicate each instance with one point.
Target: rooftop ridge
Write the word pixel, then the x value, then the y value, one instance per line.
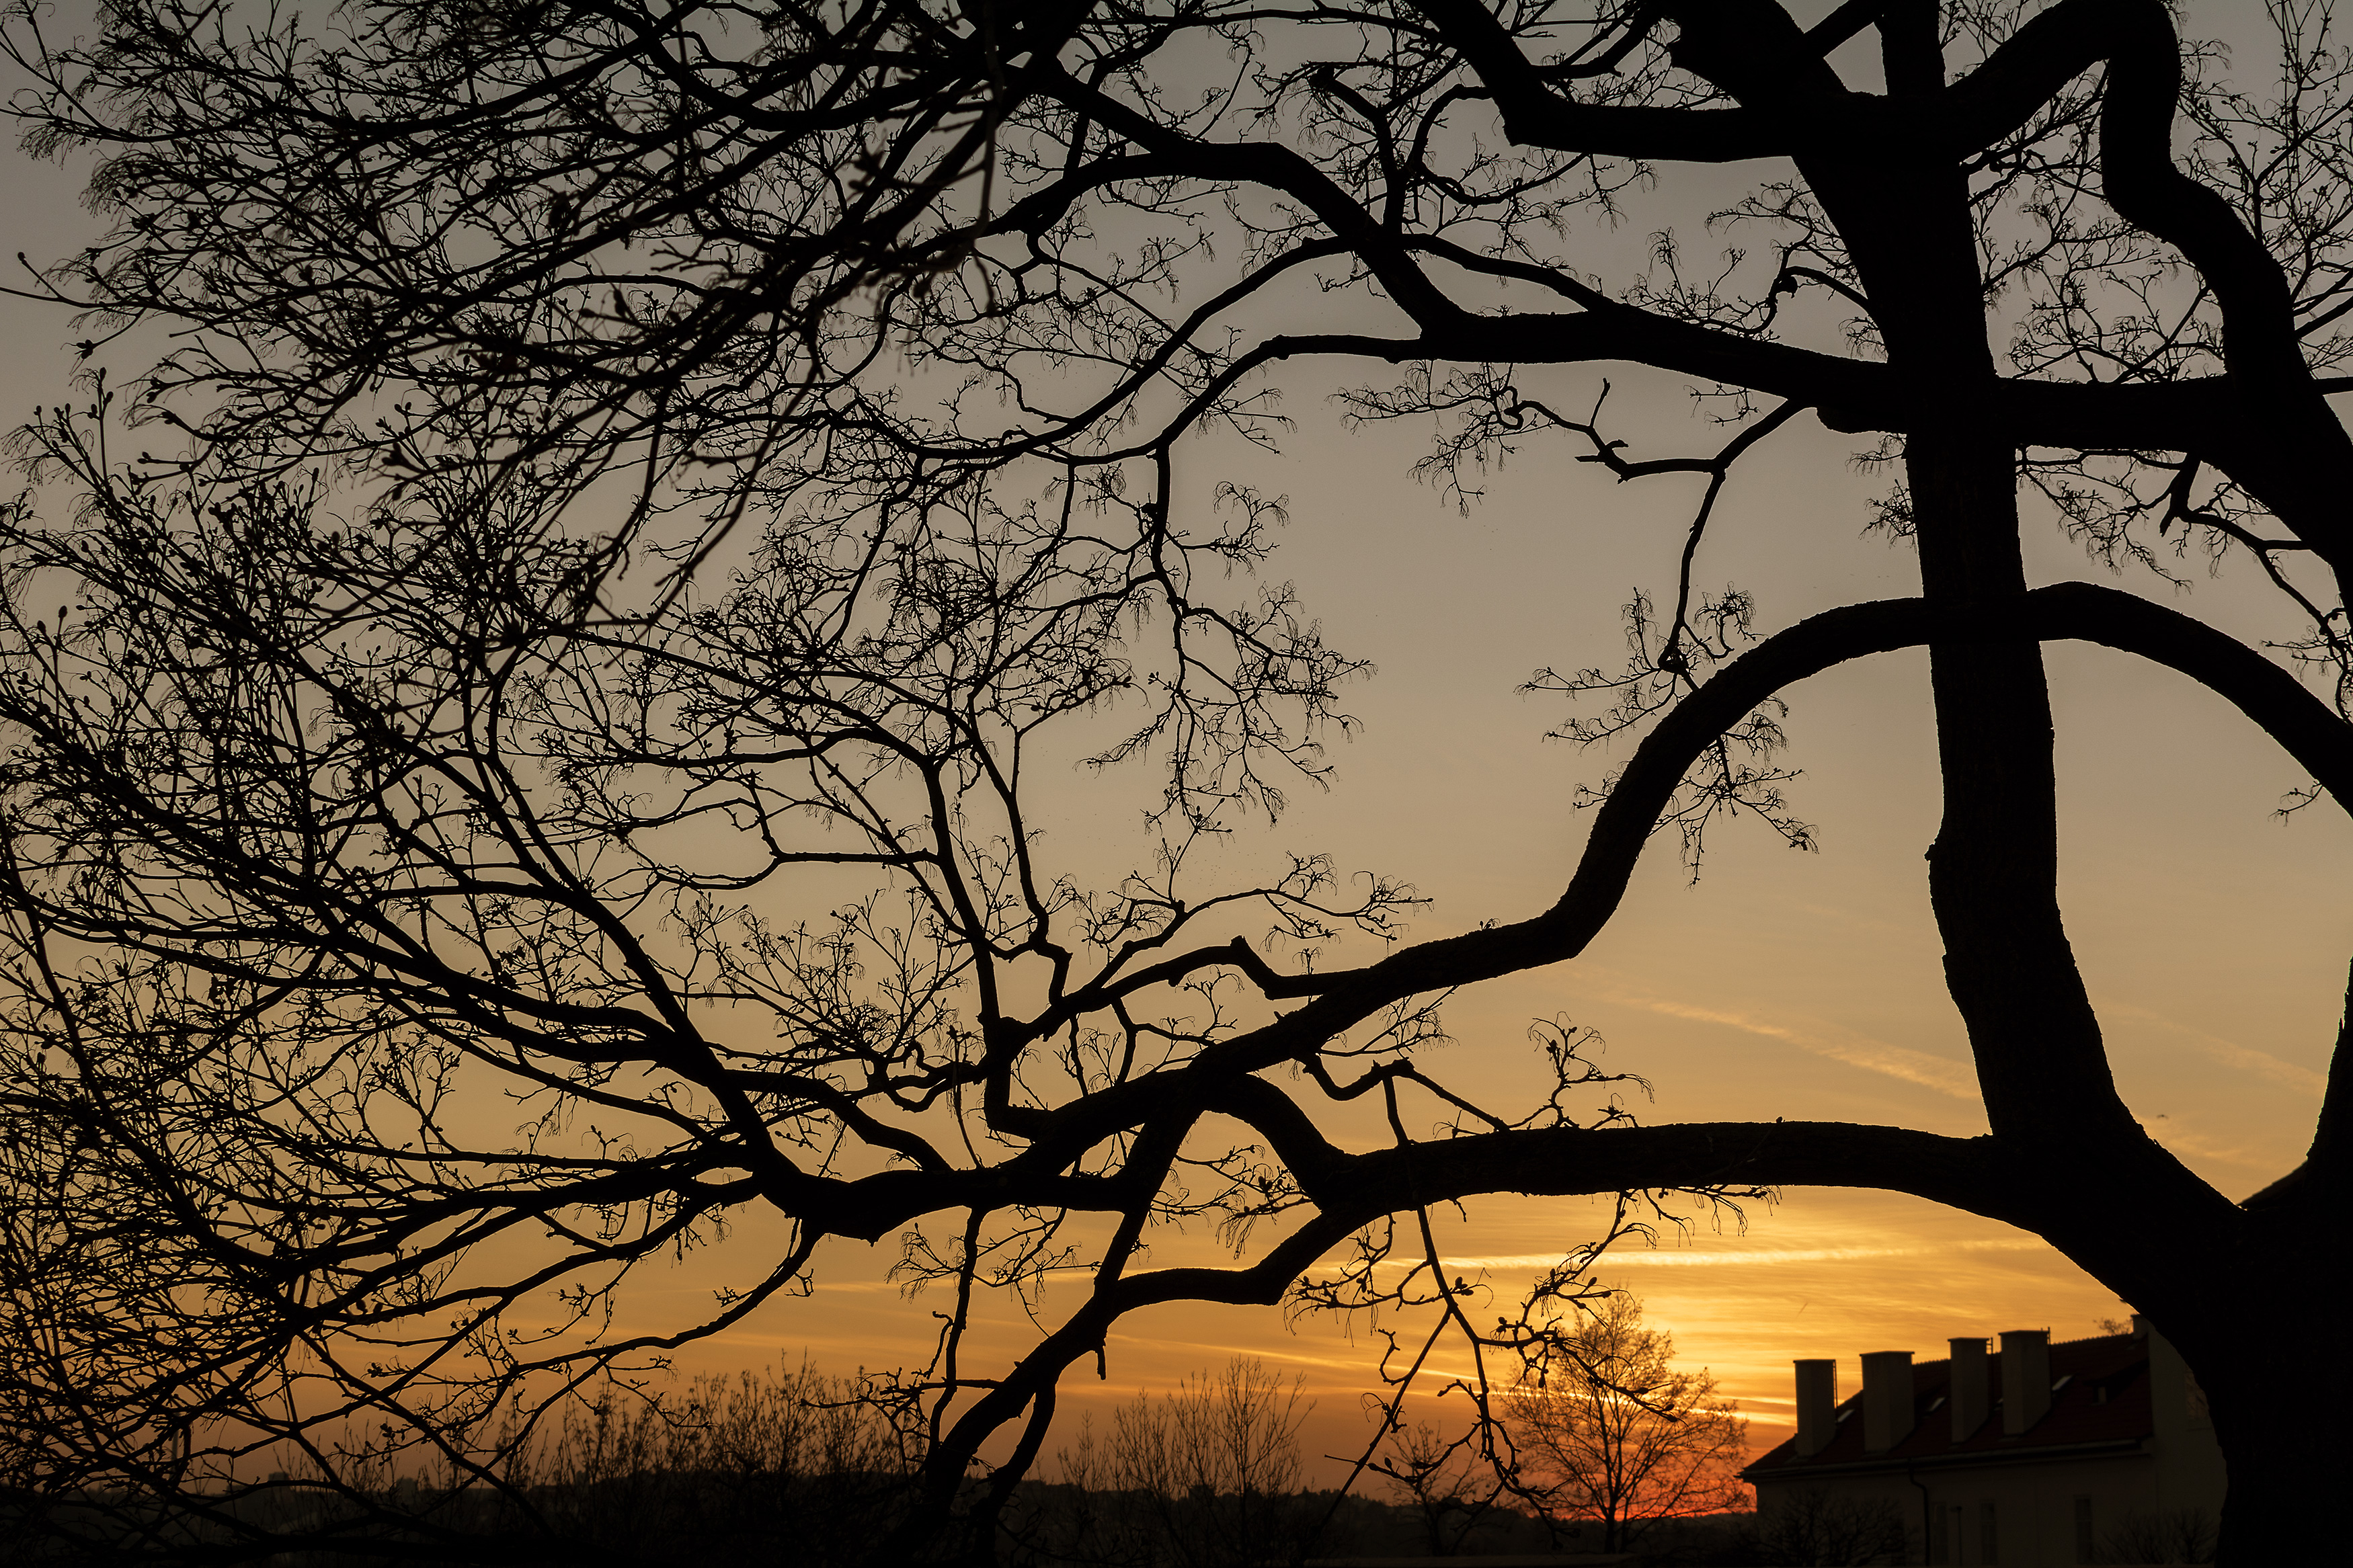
pixel 2100 1395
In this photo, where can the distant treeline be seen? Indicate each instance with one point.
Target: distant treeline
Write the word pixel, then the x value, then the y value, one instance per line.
pixel 796 1467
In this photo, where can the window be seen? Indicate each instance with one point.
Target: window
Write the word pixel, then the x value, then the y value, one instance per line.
pixel 1989 1547
pixel 2082 1530
pixel 1940 1539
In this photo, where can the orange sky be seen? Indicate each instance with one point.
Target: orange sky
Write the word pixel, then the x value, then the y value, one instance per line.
pixel 1783 983
pixel 2213 935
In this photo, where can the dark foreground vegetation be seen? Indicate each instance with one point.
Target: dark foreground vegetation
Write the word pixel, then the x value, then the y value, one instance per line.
pixel 798 1468
pixel 667 1520
pixel 803 1469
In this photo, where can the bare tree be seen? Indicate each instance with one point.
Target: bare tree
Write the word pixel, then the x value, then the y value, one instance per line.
pixel 632 490
pixel 1452 1483
pixel 1816 1528
pixel 1205 1476
pixel 1607 1429
pixel 761 1465
pixel 2171 1535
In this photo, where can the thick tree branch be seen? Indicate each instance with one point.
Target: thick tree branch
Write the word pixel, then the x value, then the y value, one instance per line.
pixel 2267 694
pixel 2303 725
pixel 2276 436
pixel 1537 116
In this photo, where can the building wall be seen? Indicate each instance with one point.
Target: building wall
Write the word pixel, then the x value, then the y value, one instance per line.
pixel 2031 1507
pixel 2047 1515
pixel 2035 1515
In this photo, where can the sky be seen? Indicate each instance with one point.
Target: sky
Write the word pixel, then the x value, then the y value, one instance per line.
pixel 2214 935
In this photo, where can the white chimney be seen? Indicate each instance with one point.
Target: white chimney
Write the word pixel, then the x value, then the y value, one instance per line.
pixel 1971 1397
pixel 2025 1379
pixel 1886 1399
pixel 1817 1405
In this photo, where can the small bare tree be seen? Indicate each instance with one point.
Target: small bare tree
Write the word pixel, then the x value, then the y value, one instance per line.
pixel 1447 1482
pixel 1608 1430
pixel 1816 1528
pixel 2166 1536
pixel 1203 1476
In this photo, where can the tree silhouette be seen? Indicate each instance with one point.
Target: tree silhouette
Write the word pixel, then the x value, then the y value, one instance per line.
pixel 1205 1476
pixel 630 487
pixel 1607 1429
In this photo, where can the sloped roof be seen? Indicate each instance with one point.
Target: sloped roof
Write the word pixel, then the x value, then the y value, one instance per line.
pixel 2101 1396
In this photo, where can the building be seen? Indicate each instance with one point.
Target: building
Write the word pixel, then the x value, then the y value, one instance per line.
pixel 2036 1456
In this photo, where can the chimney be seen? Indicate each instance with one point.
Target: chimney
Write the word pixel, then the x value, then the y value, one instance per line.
pixel 1971 1398
pixel 1817 1407
pixel 2025 1379
pixel 1886 1399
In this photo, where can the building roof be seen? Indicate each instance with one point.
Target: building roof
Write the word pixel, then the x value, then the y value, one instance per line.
pixel 2100 1398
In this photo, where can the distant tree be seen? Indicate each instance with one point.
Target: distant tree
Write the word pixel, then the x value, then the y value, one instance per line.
pixel 2161 1536
pixel 788 1464
pixel 1607 1429
pixel 1816 1528
pixel 1205 1476
pixel 1451 1484
pixel 529 754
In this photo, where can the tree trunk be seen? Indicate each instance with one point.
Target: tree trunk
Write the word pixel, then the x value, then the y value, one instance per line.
pixel 2106 1195
pixel 2286 1474
pixel 2261 1324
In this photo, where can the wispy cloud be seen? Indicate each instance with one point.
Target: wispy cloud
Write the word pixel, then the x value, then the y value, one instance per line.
pixel 1346 1360
pixel 1749 1256
pixel 2183 1141
pixel 2230 1053
pixel 1941 1074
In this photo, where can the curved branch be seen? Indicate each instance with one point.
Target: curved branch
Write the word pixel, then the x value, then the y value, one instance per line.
pixel 1620 828
pixel 2135 40
pixel 1866 395
pixel 2307 728
pixel 1537 116
pixel 2268 695
pixel 1218 1078
pixel 2279 439
pixel 1566 1162
pixel 1965 1172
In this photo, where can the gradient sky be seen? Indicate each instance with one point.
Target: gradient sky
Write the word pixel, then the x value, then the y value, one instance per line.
pixel 1802 986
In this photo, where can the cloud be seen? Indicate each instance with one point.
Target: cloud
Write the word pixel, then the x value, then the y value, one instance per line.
pixel 2182 1140
pixel 1348 1361
pixel 1941 1074
pixel 2230 1053
pixel 1751 1257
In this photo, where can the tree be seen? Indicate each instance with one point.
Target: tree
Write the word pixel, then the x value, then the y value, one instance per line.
pixel 2175 1535
pixel 634 489
pixel 1205 1476
pixel 1453 1484
pixel 1607 1429
pixel 1816 1527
